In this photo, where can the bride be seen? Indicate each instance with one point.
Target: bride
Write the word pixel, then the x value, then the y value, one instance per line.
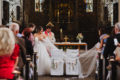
pixel 43 64
pixel 43 46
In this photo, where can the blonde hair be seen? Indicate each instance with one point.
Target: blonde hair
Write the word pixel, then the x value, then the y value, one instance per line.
pixel 7 41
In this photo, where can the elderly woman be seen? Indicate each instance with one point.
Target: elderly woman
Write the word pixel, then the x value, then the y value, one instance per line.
pixel 9 52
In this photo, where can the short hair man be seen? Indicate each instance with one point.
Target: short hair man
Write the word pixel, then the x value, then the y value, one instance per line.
pixel 50 34
pixel 22 58
pixel 31 27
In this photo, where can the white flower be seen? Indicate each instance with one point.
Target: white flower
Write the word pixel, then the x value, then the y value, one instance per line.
pixel 79 36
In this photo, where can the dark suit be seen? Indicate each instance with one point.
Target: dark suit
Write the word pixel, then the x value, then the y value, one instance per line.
pixel 29 47
pixel 109 51
pixel 110 47
pixel 22 56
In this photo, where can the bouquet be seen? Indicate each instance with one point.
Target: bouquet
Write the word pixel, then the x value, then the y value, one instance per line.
pixel 79 36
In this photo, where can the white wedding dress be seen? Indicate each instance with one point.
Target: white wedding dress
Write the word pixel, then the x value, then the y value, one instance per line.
pixel 87 60
pixel 43 61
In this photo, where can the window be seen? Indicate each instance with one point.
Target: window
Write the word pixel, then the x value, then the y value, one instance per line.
pixel 89 5
pixel 38 5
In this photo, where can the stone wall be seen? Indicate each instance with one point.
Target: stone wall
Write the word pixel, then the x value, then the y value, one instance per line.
pixel 119 10
pixel 0 12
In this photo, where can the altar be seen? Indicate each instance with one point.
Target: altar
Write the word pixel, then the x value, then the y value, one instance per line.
pixel 71 44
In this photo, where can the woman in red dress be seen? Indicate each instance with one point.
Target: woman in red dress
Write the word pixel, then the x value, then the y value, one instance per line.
pixel 9 52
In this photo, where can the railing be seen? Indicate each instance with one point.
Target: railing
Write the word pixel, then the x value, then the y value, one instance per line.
pixel 99 67
pixel 28 59
pixel 106 68
pixel 16 74
pixel 28 64
pixel 111 69
pixel 35 66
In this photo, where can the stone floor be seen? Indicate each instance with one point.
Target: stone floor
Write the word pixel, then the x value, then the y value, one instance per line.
pixel 65 78
pixel 91 77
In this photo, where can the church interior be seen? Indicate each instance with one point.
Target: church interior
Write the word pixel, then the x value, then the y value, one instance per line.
pixel 72 16
pixel 67 19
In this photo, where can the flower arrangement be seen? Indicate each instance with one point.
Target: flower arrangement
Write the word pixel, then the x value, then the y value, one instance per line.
pixel 79 36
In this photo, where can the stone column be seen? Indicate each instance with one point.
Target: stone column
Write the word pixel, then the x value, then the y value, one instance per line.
pixel 50 10
pixel 0 12
pixel 119 10
pixel 102 11
pixel 76 16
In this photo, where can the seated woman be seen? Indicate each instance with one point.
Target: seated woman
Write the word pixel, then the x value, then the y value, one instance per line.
pixel 9 52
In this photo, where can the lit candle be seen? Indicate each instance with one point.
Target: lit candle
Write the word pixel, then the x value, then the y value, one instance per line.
pixel 69 16
pixel 69 13
pixel 58 16
pixel 58 13
pixel 61 30
pixel 61 34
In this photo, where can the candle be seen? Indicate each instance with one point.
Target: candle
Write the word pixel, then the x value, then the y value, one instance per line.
pixel 61 34
pixel 69 13
pixel 58 13
pixel 61 30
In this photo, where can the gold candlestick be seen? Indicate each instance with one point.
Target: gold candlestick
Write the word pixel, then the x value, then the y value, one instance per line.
pixel 69 16
pixel 66 38
pixel 61 34
pixel 58 13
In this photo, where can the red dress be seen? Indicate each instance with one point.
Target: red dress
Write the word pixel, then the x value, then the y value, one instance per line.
pixel 7 64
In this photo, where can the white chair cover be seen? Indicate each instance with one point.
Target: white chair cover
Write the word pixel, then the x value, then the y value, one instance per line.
pixel 57 63
pixel 72 66
pixel 72 62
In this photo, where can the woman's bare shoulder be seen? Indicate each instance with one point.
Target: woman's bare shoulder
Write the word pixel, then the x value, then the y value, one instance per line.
pixel 44 35
pixel 35 35
pixel 106 36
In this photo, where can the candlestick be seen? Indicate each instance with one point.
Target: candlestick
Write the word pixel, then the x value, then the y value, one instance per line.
pixel 61 34
pixel 66 38
pixel 58 13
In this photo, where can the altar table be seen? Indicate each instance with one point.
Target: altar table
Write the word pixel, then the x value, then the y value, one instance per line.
pixel 71 44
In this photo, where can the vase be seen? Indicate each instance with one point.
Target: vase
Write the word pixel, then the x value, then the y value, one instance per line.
pixel 80 41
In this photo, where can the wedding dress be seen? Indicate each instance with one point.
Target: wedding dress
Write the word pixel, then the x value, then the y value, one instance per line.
pixel 87 60
pixel 43 61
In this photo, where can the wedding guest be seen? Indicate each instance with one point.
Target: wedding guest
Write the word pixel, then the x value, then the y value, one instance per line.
pixel 20 41
pixel 9 52
pixel 31 27
pixel 28 43
pixel 50 34
pixel 111 46
pixel 103 38
pixel 104 34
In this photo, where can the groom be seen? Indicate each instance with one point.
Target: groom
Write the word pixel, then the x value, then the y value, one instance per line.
pixel 50 34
